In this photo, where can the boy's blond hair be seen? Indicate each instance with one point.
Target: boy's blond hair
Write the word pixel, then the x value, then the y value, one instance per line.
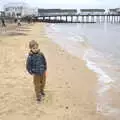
pixel 32 43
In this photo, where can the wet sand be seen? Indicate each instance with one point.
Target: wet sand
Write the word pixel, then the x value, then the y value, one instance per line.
pixel 70 88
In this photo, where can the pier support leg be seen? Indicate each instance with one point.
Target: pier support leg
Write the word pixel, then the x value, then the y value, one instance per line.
pixel 43 18
pixel 107 19
pixel 92 19
pixel 112 20
pixel 71 19
pixel 77 19
pixel 82 19
pixel 87 18
pixel 55 17
pixel 66 19
pixel 119 19
pixel 49 18
pixel 98 19
pixel 60 18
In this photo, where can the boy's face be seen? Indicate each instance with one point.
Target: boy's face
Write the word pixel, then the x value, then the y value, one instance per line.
pixel 35 49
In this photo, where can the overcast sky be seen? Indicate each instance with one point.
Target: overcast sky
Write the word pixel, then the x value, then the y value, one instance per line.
pixel 68 3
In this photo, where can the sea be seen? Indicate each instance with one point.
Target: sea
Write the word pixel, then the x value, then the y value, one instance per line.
pixel 99 46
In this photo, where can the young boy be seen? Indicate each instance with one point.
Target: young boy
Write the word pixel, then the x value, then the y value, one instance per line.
pixel 37 66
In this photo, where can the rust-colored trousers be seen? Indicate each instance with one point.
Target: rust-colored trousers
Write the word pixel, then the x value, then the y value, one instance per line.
pixel 39 84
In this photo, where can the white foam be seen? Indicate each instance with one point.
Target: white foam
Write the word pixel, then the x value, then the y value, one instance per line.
pixel 52 24
pixel 103 78
pixel 79 38
pixel 104 82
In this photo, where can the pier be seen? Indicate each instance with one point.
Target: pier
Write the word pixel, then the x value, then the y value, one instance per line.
pixel 109 18
pixel 78 16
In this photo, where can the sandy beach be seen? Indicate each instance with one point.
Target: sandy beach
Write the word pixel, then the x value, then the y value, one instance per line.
pixel 70 88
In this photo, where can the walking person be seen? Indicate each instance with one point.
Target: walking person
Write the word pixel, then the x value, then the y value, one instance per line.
pixel 36 65
pixel 3 22
pixel 3 29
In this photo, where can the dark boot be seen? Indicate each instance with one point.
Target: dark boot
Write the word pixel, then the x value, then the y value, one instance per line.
pixel 39 98
pixel 43 93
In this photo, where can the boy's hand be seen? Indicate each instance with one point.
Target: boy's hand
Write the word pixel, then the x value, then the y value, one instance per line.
pixel 46 73
pixel 30 72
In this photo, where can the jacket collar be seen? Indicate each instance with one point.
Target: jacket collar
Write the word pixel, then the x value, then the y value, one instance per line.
pixel 31 52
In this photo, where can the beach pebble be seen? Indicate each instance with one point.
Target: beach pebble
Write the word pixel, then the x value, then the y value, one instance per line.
pixel 66 107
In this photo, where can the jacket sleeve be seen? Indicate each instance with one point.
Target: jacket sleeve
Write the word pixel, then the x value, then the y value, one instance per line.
pixel 44 60
pixel 29 65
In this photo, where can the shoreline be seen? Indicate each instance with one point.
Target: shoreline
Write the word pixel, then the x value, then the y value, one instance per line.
pixel 70 88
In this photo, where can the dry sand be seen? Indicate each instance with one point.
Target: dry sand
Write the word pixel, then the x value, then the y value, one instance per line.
pixel 70 88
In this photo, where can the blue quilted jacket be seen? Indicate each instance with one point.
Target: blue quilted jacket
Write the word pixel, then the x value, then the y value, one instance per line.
pixel 36 63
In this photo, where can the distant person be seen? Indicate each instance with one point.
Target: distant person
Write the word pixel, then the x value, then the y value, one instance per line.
pixel 18 22
pixel 36 65
pixel 29 20
pixel 15 20
pixel 3 22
